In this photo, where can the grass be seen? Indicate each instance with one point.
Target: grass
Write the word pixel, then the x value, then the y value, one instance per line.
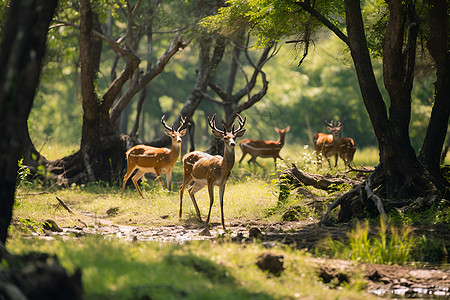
pixel 117 269
pixel 243 200
pixel 197 270
pixel 390 246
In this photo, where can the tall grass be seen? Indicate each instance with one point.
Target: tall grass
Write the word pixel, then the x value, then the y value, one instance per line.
pixel 390 246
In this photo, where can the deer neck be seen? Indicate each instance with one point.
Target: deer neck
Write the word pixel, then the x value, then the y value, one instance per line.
pixel 281 140
pixel 176 149
pixel 228 159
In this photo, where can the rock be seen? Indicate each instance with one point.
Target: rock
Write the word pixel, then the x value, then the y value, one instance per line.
pixel 113 211
pixel 271 262
pixel 254 232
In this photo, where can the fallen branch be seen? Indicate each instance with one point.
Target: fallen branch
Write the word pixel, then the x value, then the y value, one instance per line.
pixel 362 170
pixel 299 177
pixel 64 205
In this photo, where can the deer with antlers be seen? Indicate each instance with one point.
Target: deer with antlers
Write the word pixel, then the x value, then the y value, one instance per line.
pixel 327 145
pixel 263 148
pixel 205 169
pixel 159 161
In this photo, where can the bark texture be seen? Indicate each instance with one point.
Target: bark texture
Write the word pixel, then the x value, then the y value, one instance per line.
pixel 21 53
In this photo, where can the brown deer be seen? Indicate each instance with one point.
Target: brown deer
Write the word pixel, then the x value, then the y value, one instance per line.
pixel 159 161
pixel 205 169
pixel 263 148
pixel 347 149
pixel 328 145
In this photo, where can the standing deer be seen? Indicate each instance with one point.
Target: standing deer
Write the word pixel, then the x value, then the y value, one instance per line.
pixel 263 148
pixel 147 159
pixel 328 145
pixel 347 149
pixel 205 169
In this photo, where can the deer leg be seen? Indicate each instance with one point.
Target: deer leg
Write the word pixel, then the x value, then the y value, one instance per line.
pixel 211 202
pixel 221 192
pixel 125 179
pixel 192 190
pixel 243 155
pixel 186 181
pixel 169 180
pixel 158 176
pixel 253 159
pixel 336 157
pixel 135 179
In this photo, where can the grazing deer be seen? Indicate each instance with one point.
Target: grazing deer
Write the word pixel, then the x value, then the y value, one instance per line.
pixel 263 148
pixel 146 159
pixel 205 169
pixel 327 145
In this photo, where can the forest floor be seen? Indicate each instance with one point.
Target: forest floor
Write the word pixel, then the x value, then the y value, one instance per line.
pixel 383 280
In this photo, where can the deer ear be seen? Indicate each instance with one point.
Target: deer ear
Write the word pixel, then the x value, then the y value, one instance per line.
pixel 168 132
pixel 240 132
pixel 288 128
pixel 217 134
pixel 183 132
pixel 277 129
pixel 328 128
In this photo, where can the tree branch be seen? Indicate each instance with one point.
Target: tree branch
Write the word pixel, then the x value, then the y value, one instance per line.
pixel 306 6
pixel 176 45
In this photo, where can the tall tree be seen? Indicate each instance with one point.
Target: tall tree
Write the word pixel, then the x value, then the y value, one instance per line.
pixel 399 175
pixel 21 53
pixel 101 155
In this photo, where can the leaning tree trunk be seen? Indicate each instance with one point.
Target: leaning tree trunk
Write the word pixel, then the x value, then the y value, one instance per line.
pixel 21 54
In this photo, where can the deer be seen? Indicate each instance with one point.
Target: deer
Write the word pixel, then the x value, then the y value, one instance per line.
pixel 205 169
pixel 327 145
pixel 347 149
pixel 159 161
pixel 263 148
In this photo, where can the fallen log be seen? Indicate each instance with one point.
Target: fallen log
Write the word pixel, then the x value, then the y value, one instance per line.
pixel 297 177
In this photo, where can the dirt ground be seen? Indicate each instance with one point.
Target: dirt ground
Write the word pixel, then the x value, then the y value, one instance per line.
pixel 383 280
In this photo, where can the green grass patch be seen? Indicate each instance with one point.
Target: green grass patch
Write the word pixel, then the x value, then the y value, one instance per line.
pixel 114 269
pixel 391 245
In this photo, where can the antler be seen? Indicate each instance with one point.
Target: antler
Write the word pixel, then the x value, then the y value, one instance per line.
pixel 212 124
pixel 163 121
pixel 182 121
pixel 330 123
pixel 241 124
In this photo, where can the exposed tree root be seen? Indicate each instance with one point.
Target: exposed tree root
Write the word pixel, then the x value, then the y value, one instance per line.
pixel 367 198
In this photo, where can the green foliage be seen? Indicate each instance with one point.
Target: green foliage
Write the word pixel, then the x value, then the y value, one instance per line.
pixel 389 246
pixel 22 173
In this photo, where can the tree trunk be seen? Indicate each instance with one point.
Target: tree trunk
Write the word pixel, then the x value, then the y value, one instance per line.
pixel 437 127
pixel 404 176
pixel 21 54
